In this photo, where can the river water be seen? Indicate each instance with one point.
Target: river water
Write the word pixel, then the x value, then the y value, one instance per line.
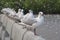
pixel 50 30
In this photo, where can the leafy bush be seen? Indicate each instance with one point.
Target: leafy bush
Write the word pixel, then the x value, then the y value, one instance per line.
pixel 9 3
pixel 47 6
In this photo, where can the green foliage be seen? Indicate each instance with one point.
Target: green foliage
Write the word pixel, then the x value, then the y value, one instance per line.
pixel 47 6
pixel 9 3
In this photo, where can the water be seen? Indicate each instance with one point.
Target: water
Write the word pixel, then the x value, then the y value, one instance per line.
pixel 51 28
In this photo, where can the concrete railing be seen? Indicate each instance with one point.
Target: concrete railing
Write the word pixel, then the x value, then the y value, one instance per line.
pixel 15 31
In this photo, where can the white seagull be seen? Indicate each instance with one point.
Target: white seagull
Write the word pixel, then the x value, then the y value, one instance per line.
pixel 20 14
pixel 28 18
pixel 5 10
pixel 9 11
pixel 40 21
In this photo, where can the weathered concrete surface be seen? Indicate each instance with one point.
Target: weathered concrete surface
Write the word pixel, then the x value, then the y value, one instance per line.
pixel 51 28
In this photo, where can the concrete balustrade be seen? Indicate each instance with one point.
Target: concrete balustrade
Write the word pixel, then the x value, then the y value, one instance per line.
pixel 2 25
pixel 2 18
pixel 9 26
pixel 5 21
pixel 16 31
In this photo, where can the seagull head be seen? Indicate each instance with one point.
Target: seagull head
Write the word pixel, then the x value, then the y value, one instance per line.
pixel 30 11
pixel 19 10
pixel 22 10
pixel 41 13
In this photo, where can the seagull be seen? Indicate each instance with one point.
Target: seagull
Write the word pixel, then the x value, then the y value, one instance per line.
pixel 5 10
pixel 12 13
pixel 40 21
pixel 8 11
pixel 28 18
pixel 20 14
pixel 40 18
pixel 19 11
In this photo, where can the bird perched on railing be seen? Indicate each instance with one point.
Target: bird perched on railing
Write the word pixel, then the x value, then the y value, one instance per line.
pixel 9 11
pixel 40 21
pixel 28 18
pixel 5 10
pixel 20 14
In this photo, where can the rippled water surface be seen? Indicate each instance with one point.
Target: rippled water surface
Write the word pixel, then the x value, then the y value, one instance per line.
pixel 51 28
